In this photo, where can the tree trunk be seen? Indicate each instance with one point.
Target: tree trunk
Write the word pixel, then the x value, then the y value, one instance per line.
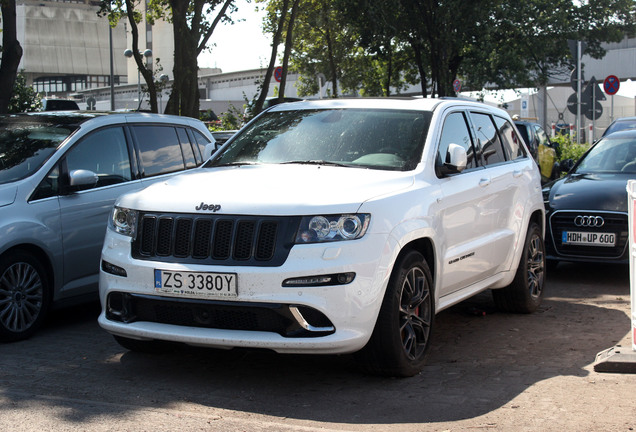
pixel 139 59
pixel 289 40
pixel 184 98
pixel 11 54
pixel 258 106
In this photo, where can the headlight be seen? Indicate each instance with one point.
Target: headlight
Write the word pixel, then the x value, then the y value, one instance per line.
pixel 327 228
pixel 124 221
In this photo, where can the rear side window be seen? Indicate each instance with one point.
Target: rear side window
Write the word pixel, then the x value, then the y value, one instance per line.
pixel 455 131
pixel 186 148
pixel 159 149
pixel 487 139
pixel 201 141
pixel 510 139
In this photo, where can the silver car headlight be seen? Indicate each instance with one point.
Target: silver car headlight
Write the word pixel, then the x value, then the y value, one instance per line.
pixel 123 221
pixel 328 228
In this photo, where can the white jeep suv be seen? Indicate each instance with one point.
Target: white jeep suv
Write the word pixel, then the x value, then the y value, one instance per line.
pixel 332 226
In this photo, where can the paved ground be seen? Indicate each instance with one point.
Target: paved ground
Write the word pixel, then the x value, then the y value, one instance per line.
pixel 496 372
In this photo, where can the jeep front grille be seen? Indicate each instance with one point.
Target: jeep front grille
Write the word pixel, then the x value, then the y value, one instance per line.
pixel 215 239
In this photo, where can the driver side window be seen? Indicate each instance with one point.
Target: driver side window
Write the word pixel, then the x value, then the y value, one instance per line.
pixel 455 131
pixel 105 153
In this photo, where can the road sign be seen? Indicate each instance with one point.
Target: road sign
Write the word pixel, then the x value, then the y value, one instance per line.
pixel 278 73
pixel 572 100
pixel 457 85
pixel 594 114
pixel 611 85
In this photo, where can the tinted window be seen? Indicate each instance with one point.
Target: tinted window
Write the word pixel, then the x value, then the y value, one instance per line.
pixel 159 149
pixel 455 131
pixel 186 148
pixel 509 138
pixel 487 138
pixel 201 141
pixel 104 152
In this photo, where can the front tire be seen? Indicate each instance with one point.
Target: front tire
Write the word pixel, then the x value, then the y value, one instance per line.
pixel 401 339
pixel 24 296
pixel 525 293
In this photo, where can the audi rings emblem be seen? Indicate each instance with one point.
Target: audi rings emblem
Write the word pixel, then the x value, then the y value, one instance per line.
pixel 589 221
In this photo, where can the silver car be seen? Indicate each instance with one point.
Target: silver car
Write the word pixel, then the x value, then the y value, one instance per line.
pixel 59 176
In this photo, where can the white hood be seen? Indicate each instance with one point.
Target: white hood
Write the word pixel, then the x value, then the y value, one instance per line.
pixel 268 190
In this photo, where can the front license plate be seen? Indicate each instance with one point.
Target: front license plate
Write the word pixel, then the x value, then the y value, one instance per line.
pixel 588 238
pixel 196 284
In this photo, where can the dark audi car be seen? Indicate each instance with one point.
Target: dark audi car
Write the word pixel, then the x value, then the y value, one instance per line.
pixel 587 209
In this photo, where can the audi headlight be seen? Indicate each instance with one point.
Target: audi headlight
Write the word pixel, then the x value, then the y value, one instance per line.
pixel 124 221
pixel 327 228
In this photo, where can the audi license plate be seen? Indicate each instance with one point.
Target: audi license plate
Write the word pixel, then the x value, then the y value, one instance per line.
pixel 588 238
pixel 196 284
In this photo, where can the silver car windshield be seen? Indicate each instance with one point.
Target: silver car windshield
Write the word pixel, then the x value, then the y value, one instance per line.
pixel 25 147
pixel 361 138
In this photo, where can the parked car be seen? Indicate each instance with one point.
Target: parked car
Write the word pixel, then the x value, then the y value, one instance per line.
pixel 620 124
pixel 222 136
pixel 59 176
pixel 333 226
pixel 587 209
pixel 541 148
pixel 54 104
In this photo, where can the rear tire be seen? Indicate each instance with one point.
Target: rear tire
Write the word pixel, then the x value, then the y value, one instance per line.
pixel 525 293
pixel 24 296
pixel 401 339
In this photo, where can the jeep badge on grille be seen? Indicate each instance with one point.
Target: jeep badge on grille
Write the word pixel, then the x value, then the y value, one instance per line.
pixel 208 207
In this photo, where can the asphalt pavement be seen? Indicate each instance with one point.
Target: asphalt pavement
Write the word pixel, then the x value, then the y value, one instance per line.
pixel 487 371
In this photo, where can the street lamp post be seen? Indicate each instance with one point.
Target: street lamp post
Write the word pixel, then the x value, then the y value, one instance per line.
pixel 147 54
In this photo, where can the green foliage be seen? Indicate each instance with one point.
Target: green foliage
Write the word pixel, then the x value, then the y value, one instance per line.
pixel 232 119
pixel 568 148
pixel 24 98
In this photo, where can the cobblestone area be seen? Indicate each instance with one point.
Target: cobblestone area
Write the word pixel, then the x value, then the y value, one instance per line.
pixel 487 370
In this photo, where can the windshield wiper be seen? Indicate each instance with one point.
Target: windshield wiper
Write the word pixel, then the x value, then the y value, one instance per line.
pixel 239 163
pixel 318 162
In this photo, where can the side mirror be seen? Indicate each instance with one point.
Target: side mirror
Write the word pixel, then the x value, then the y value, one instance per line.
pixel 81 179
pixel 455 162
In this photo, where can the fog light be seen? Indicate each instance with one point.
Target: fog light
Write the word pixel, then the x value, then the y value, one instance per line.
pixel 113 269
pixel 320 280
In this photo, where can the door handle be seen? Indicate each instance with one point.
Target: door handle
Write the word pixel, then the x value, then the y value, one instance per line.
pixel 484 182
pixel 517 173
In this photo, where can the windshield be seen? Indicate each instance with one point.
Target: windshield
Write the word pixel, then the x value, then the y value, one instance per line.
pixel 379 139
pixel 24 147
pixel 610 155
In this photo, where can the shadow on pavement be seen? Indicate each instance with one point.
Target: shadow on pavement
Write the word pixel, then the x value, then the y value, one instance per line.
pixel 480 361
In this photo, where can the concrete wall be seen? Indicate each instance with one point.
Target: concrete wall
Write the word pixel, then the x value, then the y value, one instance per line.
pixel 67 38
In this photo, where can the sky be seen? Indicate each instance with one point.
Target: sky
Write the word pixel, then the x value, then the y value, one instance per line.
pixel 240 46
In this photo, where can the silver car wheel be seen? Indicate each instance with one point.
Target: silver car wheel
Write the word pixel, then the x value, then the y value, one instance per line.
pixel 21 297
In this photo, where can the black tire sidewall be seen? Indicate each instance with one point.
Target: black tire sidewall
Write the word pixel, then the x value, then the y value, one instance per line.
pixel 386 341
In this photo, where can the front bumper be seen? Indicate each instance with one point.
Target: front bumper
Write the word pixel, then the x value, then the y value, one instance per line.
pixel 325 319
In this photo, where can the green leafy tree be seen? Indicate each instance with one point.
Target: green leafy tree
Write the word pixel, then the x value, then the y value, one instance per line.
pixel 11 53
pixel 193 23
pixel 525 43
pixel 24 98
